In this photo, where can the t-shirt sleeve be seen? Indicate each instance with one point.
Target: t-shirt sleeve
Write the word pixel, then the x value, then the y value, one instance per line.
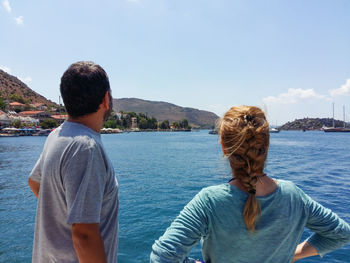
pixel 84 176
pixel 35 174
pixel 183 234
pixel 330 231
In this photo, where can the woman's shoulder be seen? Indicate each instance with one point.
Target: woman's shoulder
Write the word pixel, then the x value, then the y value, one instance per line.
pixel 286 184
pixel 215 189
pixel 291 189
pixel 218 192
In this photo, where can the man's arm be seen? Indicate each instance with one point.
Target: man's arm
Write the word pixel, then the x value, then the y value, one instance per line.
pixel 88 243
pixel 304 250
pixel 35 186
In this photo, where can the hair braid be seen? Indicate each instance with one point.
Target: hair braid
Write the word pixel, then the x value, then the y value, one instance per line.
pixel 245 137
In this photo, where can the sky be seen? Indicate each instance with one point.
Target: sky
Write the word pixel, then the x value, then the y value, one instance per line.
pixel 291 58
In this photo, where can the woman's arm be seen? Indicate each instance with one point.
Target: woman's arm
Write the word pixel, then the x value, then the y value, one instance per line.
pixel 304 250
pixel 183 234
pixel 330 231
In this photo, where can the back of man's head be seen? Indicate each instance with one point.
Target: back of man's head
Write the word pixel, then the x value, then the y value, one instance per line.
pixel 83 87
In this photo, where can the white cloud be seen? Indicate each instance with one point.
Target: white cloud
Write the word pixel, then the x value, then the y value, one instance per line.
pixel 26 80
pixel 293 96
pixel 6 5
pixel 19 20
pixel 343 90
pixel 6 69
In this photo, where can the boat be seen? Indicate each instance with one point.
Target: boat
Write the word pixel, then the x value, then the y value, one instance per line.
pixel 336 129
pixel 274 130
pixel 339 129
pixel 110 131
pixel 45 132
pixel 9 132
pixel 8 135
pixel 213 132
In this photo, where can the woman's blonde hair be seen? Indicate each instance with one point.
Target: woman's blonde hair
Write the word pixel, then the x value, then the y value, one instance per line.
pixel 244 133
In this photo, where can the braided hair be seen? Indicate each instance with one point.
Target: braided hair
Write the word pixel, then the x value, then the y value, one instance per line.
pixel 244 133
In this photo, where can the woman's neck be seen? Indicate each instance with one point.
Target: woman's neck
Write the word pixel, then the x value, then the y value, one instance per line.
pixel 264 186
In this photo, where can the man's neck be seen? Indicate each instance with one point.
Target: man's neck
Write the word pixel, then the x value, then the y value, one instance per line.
pixel 93 121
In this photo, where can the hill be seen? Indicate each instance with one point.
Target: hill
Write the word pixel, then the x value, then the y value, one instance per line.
pixel 12 89
pixel 166 111
pixel 311 124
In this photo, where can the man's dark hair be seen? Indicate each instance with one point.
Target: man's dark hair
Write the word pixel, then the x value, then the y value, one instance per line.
pixel 83 87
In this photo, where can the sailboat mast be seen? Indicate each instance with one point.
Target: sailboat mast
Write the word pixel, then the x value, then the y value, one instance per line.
pixel 344 115
pixel 333 115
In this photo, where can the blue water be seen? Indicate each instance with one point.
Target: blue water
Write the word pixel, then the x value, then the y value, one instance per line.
pixel 159 173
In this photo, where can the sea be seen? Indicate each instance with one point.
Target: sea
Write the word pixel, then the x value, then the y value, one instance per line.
pixel 160 172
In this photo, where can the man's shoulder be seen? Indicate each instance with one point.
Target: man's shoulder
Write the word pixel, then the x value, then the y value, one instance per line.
pixel 77 135
pixel 68 142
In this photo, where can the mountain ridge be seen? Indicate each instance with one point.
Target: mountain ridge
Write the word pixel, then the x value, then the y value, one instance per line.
pixel 13 89
pixel 162 110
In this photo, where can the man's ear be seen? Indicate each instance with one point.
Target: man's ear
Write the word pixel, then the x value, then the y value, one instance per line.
pixel 105 101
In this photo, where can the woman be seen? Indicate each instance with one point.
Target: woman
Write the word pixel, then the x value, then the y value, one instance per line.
pixel 253 218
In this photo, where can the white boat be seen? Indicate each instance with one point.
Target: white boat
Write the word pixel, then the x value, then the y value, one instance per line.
pixel 9 132
pixel 336 129
pixel 8 135
pixel 274 130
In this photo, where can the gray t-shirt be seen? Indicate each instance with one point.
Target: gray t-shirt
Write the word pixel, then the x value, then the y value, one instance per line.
pixel 77 185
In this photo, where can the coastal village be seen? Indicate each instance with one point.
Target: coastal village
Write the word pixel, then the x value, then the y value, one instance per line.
pixel 38 119
pixel 23 112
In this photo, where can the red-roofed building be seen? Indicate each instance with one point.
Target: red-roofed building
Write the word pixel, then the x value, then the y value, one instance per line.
pixel 16 105
pixel 41 115
pixel 59 118
pixel 39 106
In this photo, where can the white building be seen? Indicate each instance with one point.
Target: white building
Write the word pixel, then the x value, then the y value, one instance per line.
pixel 133 123
pixel 5 121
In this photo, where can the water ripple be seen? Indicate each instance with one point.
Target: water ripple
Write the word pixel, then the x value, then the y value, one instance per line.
pixel 159 173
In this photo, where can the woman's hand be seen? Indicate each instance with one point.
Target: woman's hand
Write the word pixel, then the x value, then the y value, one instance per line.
pixel 304 250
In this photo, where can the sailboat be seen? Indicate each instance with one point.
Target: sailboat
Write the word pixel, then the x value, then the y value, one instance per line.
pixel 336 129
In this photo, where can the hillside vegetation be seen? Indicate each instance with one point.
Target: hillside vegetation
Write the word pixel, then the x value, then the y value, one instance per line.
pixel 13 89
pixel 166 111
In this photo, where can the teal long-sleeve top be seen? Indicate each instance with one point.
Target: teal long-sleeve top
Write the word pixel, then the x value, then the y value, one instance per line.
pixel 214 216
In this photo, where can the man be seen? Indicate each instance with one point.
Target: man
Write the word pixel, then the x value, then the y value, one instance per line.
pixel 74 181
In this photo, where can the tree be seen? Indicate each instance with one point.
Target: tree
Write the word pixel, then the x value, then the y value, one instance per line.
pixel 48 124
pixel 110 124
pixel 126 120
pixel 27 107
pixel 2 104
pixel 16 124
pixel 15 97
pixel 152 123
pixel 165 125
pixel 184 124
pixel 143 124
pixel 176 125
